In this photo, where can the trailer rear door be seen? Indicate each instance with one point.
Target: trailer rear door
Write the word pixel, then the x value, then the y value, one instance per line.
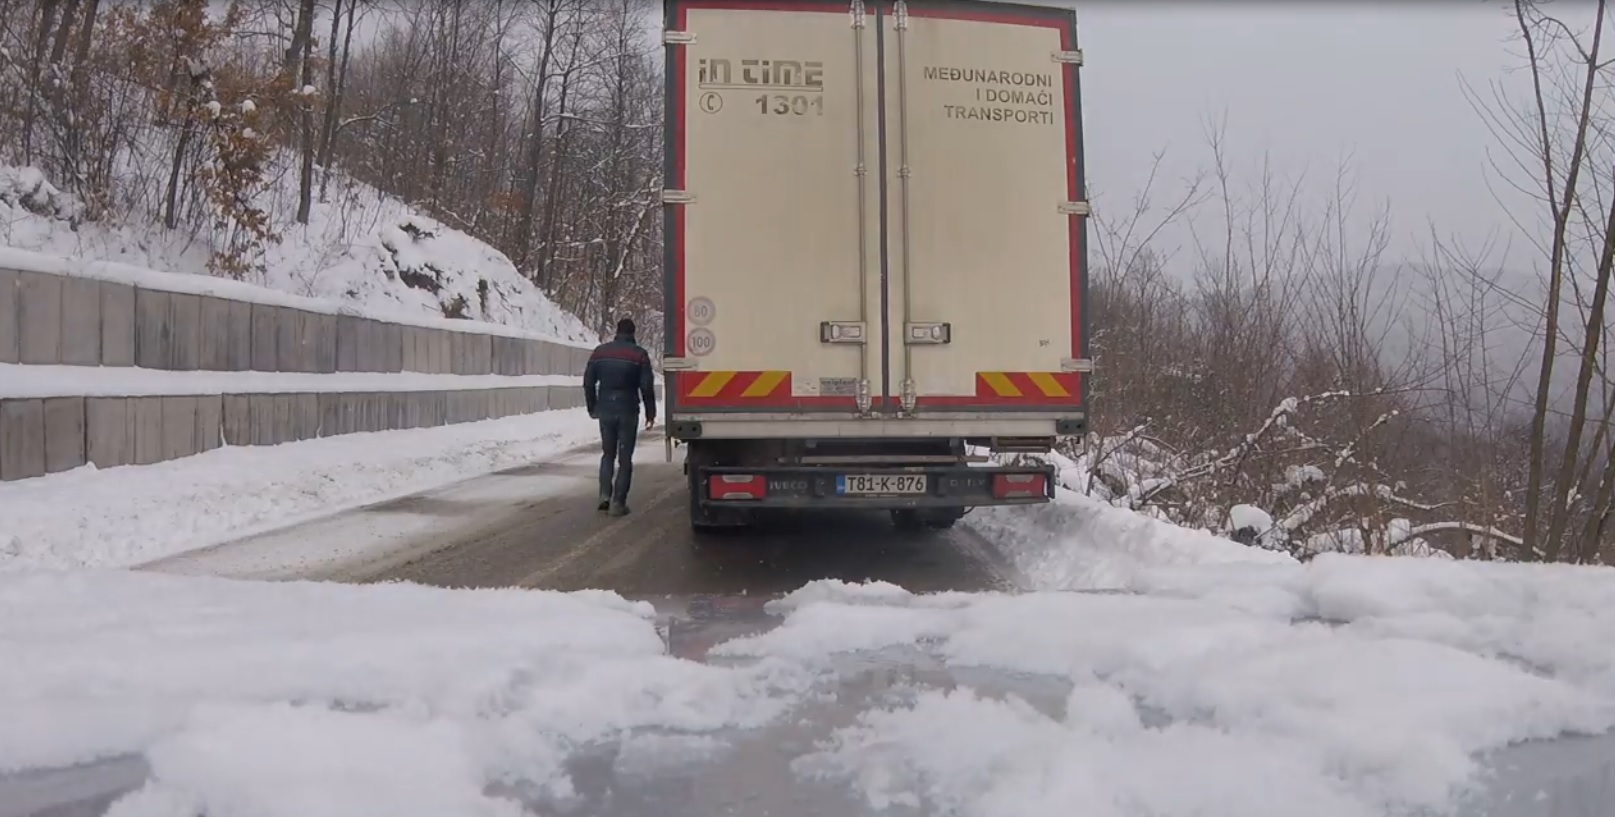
pixel 772 274
pixel 986 201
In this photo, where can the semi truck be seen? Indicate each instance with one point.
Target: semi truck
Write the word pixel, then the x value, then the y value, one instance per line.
pixel 875 267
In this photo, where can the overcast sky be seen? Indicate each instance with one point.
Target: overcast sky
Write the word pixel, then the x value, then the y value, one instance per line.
pixel 1312 83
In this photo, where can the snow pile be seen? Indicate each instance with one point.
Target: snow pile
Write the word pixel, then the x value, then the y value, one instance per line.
pixel 361 248
pixel 283 699
pixel 1079 543
pixel 127 516
pixel 26 189
pixel 1220 701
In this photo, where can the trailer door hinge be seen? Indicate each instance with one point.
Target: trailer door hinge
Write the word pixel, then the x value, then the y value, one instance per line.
pixel 900 15
pixel 928 333
pixel 841 332
pixel 678 197
pixel 1072 364
pixel 678 37
pixel 1076 208
pixel 680 364
pixel 858 13
pixel 1073 57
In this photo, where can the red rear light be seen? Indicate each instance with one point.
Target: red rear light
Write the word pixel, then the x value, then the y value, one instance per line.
pixel 737 486
pixel 1020 486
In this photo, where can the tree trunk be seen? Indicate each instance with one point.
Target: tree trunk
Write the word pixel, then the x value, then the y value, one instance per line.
pixel 338 81
pixel 305 74
pixel 1561 214
pixel 81 59
pixel 171 198
pixel 47 18
pixel 532 169
pixel 64 32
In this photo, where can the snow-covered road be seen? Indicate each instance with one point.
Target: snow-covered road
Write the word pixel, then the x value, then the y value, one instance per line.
pixel 1210 680
pixel 1345 687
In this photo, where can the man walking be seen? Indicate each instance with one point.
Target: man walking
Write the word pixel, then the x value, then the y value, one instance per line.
pixel 616 380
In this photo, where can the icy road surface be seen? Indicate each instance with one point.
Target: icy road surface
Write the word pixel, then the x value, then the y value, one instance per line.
pixel 1343 688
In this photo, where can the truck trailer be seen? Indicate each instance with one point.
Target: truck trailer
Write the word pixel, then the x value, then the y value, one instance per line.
pixel 875 254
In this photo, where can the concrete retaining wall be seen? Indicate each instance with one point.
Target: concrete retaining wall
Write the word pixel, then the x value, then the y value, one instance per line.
pixel 53 319
pixel 46 436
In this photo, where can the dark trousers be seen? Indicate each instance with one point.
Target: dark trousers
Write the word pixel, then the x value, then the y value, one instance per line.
pixel 618 436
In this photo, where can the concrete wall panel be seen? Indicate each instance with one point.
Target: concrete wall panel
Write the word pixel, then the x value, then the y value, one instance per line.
pixel 556 359
pixel 372 358
pixel 347 343
pixel 108 433
pixel 185 338
pixel 146 420
pixel 152 328
pixel 392 345
pixel 209 422
pixel 324 327
pixel 215 318
pixel 305 411
pixel 81 323
pixel 265 338
pixel 179 427
pixel 237 424
pixel 412 356
pixel 64 433
pixel 226 335
pixel 39 318
pixel 240 337
pixel 22 439
pixel 261 418
pixel 293 349
pixel 117 324
pixel 442 352
pixel 8 316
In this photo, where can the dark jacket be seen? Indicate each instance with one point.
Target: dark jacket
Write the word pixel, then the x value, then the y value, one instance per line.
pixel 618 378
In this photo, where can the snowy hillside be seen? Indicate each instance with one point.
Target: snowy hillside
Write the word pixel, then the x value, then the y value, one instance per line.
pixel 360 247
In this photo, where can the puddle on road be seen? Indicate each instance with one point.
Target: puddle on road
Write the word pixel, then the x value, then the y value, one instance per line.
pixel 664 774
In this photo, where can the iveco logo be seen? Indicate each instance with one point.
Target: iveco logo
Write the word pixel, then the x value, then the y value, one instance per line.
pixel 788 485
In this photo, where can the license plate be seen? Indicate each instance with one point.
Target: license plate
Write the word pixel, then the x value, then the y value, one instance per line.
pixel 881 484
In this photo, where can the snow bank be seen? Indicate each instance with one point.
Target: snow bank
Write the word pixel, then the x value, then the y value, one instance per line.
pixel 135 514
pixel 283 699
pixel 362 253
pixel 19 381
pixel 1078 543
pixel 1217 703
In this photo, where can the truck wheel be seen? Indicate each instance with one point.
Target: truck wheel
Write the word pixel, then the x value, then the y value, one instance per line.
pixel 942 524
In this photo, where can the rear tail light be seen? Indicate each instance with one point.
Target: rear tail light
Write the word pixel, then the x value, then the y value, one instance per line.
pixel 1020 486
pixel 737 486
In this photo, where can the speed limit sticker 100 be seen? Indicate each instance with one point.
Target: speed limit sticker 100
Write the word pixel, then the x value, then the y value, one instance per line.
pixel 701 342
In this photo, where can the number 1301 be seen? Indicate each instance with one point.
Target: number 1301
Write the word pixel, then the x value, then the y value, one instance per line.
pixel 799 105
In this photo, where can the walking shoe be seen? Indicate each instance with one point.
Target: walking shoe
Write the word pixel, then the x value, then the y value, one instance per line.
pixel 619 509
pixel 605 502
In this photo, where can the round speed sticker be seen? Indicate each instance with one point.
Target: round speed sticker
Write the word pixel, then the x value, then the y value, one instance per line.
pixel 701 342
pixel 701 311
